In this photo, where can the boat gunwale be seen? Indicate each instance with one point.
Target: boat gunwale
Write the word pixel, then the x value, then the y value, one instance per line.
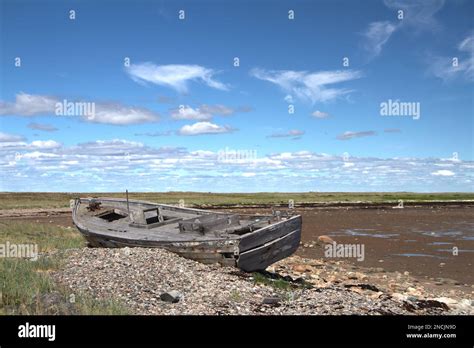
pixel 206 212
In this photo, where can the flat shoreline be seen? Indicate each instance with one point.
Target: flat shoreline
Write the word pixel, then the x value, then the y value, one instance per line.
pixel 33 212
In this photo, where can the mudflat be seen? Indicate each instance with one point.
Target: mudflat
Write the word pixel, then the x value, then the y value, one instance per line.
pixel 432 242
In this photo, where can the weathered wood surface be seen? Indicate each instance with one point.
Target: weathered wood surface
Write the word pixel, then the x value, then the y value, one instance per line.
pixel 218 244
pixel 271 232
pixel 263 256
pixel 209 223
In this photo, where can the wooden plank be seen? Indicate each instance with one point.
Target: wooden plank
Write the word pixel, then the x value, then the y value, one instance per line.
pixel 271 232
pixel 260 258
pixel 208 223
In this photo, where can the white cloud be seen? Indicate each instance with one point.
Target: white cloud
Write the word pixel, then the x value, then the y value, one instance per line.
pixel 108 113
pixel 115 147
pixel 204 112
pixel 204 128
pixel 248 175
pixel 45 144
pixel 104 165
pixel 443 172
pixel 174 76
pixel 119 114
pixel 6 138
pixel 39 155
pixel 320 114
pixel 309 86
pixel 188 113
pixel 29 105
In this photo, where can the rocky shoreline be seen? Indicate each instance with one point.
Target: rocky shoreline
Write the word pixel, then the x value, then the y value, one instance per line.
pixel 155 281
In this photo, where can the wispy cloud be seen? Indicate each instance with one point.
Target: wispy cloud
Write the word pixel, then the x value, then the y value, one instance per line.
pixel 309 86
pixel 204 128
pixel 108 113
pixel 320 114
pixel 289 99
pixel 201 113
pixel 220 109
pixel 351 135
pixel 155 134
pixel 174 76
pixel 294 133
pixel 444 67
pixel 6 138
pixel 376 35
pixel 418 15
pixel 42 127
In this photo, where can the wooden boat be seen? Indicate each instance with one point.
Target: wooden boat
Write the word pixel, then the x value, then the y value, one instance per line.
pixel 250 242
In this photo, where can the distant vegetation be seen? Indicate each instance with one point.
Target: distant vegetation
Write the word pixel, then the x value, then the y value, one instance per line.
pixel 61 200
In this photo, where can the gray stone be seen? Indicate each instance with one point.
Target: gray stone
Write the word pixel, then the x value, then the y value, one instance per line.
pixel 172 296
pixel 271 300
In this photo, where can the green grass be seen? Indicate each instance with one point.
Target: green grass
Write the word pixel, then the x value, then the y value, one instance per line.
pixel 283 287
pixel 10 200
pixel 47 236
pixel 26 286
pixel 277 284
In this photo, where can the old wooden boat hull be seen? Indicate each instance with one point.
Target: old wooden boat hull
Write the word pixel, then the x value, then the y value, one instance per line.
pixel 250 242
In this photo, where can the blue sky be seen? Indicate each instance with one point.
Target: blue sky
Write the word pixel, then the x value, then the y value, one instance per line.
pixel 182 116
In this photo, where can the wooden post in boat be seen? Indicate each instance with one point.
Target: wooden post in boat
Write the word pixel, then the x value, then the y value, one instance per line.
pixel 128 207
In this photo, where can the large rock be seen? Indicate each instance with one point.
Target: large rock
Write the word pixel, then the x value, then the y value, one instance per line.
pixel 172 296
pixel 271 300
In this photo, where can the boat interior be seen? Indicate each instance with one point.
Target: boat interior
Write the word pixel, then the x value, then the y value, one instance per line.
pixel 157 220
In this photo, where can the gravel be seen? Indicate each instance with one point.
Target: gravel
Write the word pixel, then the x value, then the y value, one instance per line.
pixel 140 278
